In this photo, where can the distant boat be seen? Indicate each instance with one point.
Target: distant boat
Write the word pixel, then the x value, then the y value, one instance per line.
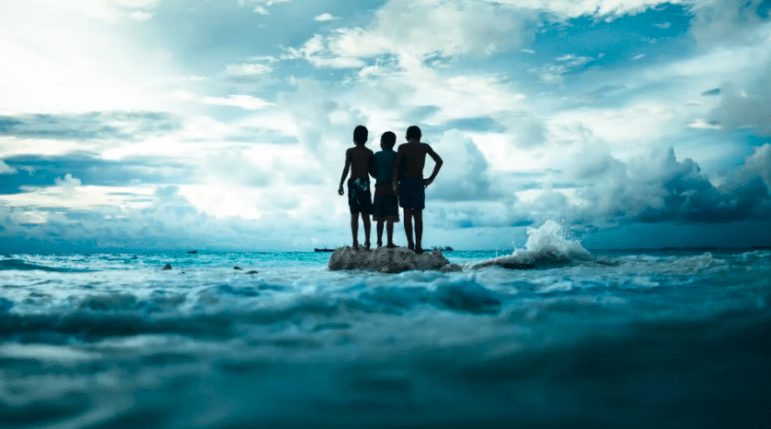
pixel 324 250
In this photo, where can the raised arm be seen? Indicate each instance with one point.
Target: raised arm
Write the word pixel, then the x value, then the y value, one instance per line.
pixel 345 171
pixel 438 164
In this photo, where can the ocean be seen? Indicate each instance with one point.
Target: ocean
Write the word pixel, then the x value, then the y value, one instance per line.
pixel 602 339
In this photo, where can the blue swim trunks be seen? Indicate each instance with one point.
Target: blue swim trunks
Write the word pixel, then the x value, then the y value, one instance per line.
pixel 359 198
pixel 412 194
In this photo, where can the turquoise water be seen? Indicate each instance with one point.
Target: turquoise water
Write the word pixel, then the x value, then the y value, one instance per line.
pixel 617 339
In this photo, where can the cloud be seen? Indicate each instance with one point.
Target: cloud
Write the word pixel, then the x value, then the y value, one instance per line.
pixel 719 22
pixel 248 69
pixel 748 111
pixel 261 6
pixel 553 73
pixel 6 169
pixel 108 10
pixel 658 188
pixel 325 17
pixel 464 175
pixel 68 182
pixel 34 171
pixel 419 29
pixel 114 125
pixel 246 102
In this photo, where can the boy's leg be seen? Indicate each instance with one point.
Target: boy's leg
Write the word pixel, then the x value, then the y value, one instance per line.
pixel 408 227
pixel 355 229
pixel 380 233
pixel 390 232
pixel 418 230
pixel 367 227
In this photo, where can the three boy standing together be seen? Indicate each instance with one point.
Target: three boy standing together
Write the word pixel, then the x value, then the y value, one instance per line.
pixel 397 174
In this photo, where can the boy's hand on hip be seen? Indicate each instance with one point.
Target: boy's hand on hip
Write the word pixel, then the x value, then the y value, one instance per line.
pixel 427 182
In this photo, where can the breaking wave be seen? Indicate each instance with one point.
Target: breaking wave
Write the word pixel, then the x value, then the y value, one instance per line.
pixel 546 246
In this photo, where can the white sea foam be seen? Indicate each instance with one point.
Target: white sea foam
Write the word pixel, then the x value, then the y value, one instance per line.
pixel 547 245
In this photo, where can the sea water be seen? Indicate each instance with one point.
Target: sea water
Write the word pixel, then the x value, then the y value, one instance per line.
pixel 666 338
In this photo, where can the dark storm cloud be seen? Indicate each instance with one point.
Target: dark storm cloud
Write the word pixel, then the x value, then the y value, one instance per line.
pixel 89 126
pixel 661 189
pixel 40 171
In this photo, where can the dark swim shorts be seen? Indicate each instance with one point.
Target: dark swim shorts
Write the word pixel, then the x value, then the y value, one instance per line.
pixel 412 194
pixel 359 198
pixel 386 206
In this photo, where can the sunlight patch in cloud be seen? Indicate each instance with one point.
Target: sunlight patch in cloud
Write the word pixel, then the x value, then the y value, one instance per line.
pixel 246 102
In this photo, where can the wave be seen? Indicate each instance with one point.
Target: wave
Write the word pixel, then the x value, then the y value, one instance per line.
pixel 546 246
pixel 20 265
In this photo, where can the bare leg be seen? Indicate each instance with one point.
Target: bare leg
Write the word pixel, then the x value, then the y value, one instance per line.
pixel 355 229
pixel 390 232
pixel 380 233
pixel 367 228
pixel 408 227
pixel 418 230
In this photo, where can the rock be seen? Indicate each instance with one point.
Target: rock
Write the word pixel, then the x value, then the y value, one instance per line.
pixel 167 267
pixel 237 268
pixel 193 252
pixel 388 260
pixel 252 272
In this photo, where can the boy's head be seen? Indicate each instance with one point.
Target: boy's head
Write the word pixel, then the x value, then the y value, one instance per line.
pixel 387 140
pixel 360 135
pixel 413 132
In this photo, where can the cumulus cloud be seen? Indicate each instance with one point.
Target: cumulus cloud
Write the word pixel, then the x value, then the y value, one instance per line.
pixel 659 188
pixel 68 182
pixel 465 170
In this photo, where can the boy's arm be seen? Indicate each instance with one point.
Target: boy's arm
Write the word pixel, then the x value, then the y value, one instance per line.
pixel 345 171
pixel 399 156
pixel 438 160
pixel 372 165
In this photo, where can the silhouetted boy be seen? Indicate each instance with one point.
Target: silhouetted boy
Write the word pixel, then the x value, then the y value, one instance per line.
pixel 386 208
pixel 409 183
pixel 359 160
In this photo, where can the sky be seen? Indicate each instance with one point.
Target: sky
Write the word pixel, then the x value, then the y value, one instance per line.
pixel 130 125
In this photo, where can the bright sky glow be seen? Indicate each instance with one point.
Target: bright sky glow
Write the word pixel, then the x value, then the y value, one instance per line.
pixel 162 124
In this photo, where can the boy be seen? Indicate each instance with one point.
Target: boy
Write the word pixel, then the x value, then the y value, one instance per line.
pixel 358 159
pixel 386 206
pixel 409 183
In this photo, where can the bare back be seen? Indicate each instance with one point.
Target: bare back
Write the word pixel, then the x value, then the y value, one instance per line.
pixel 413 158
pixel 359 158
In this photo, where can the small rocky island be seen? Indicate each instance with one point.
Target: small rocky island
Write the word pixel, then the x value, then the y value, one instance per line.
pixel 389 260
